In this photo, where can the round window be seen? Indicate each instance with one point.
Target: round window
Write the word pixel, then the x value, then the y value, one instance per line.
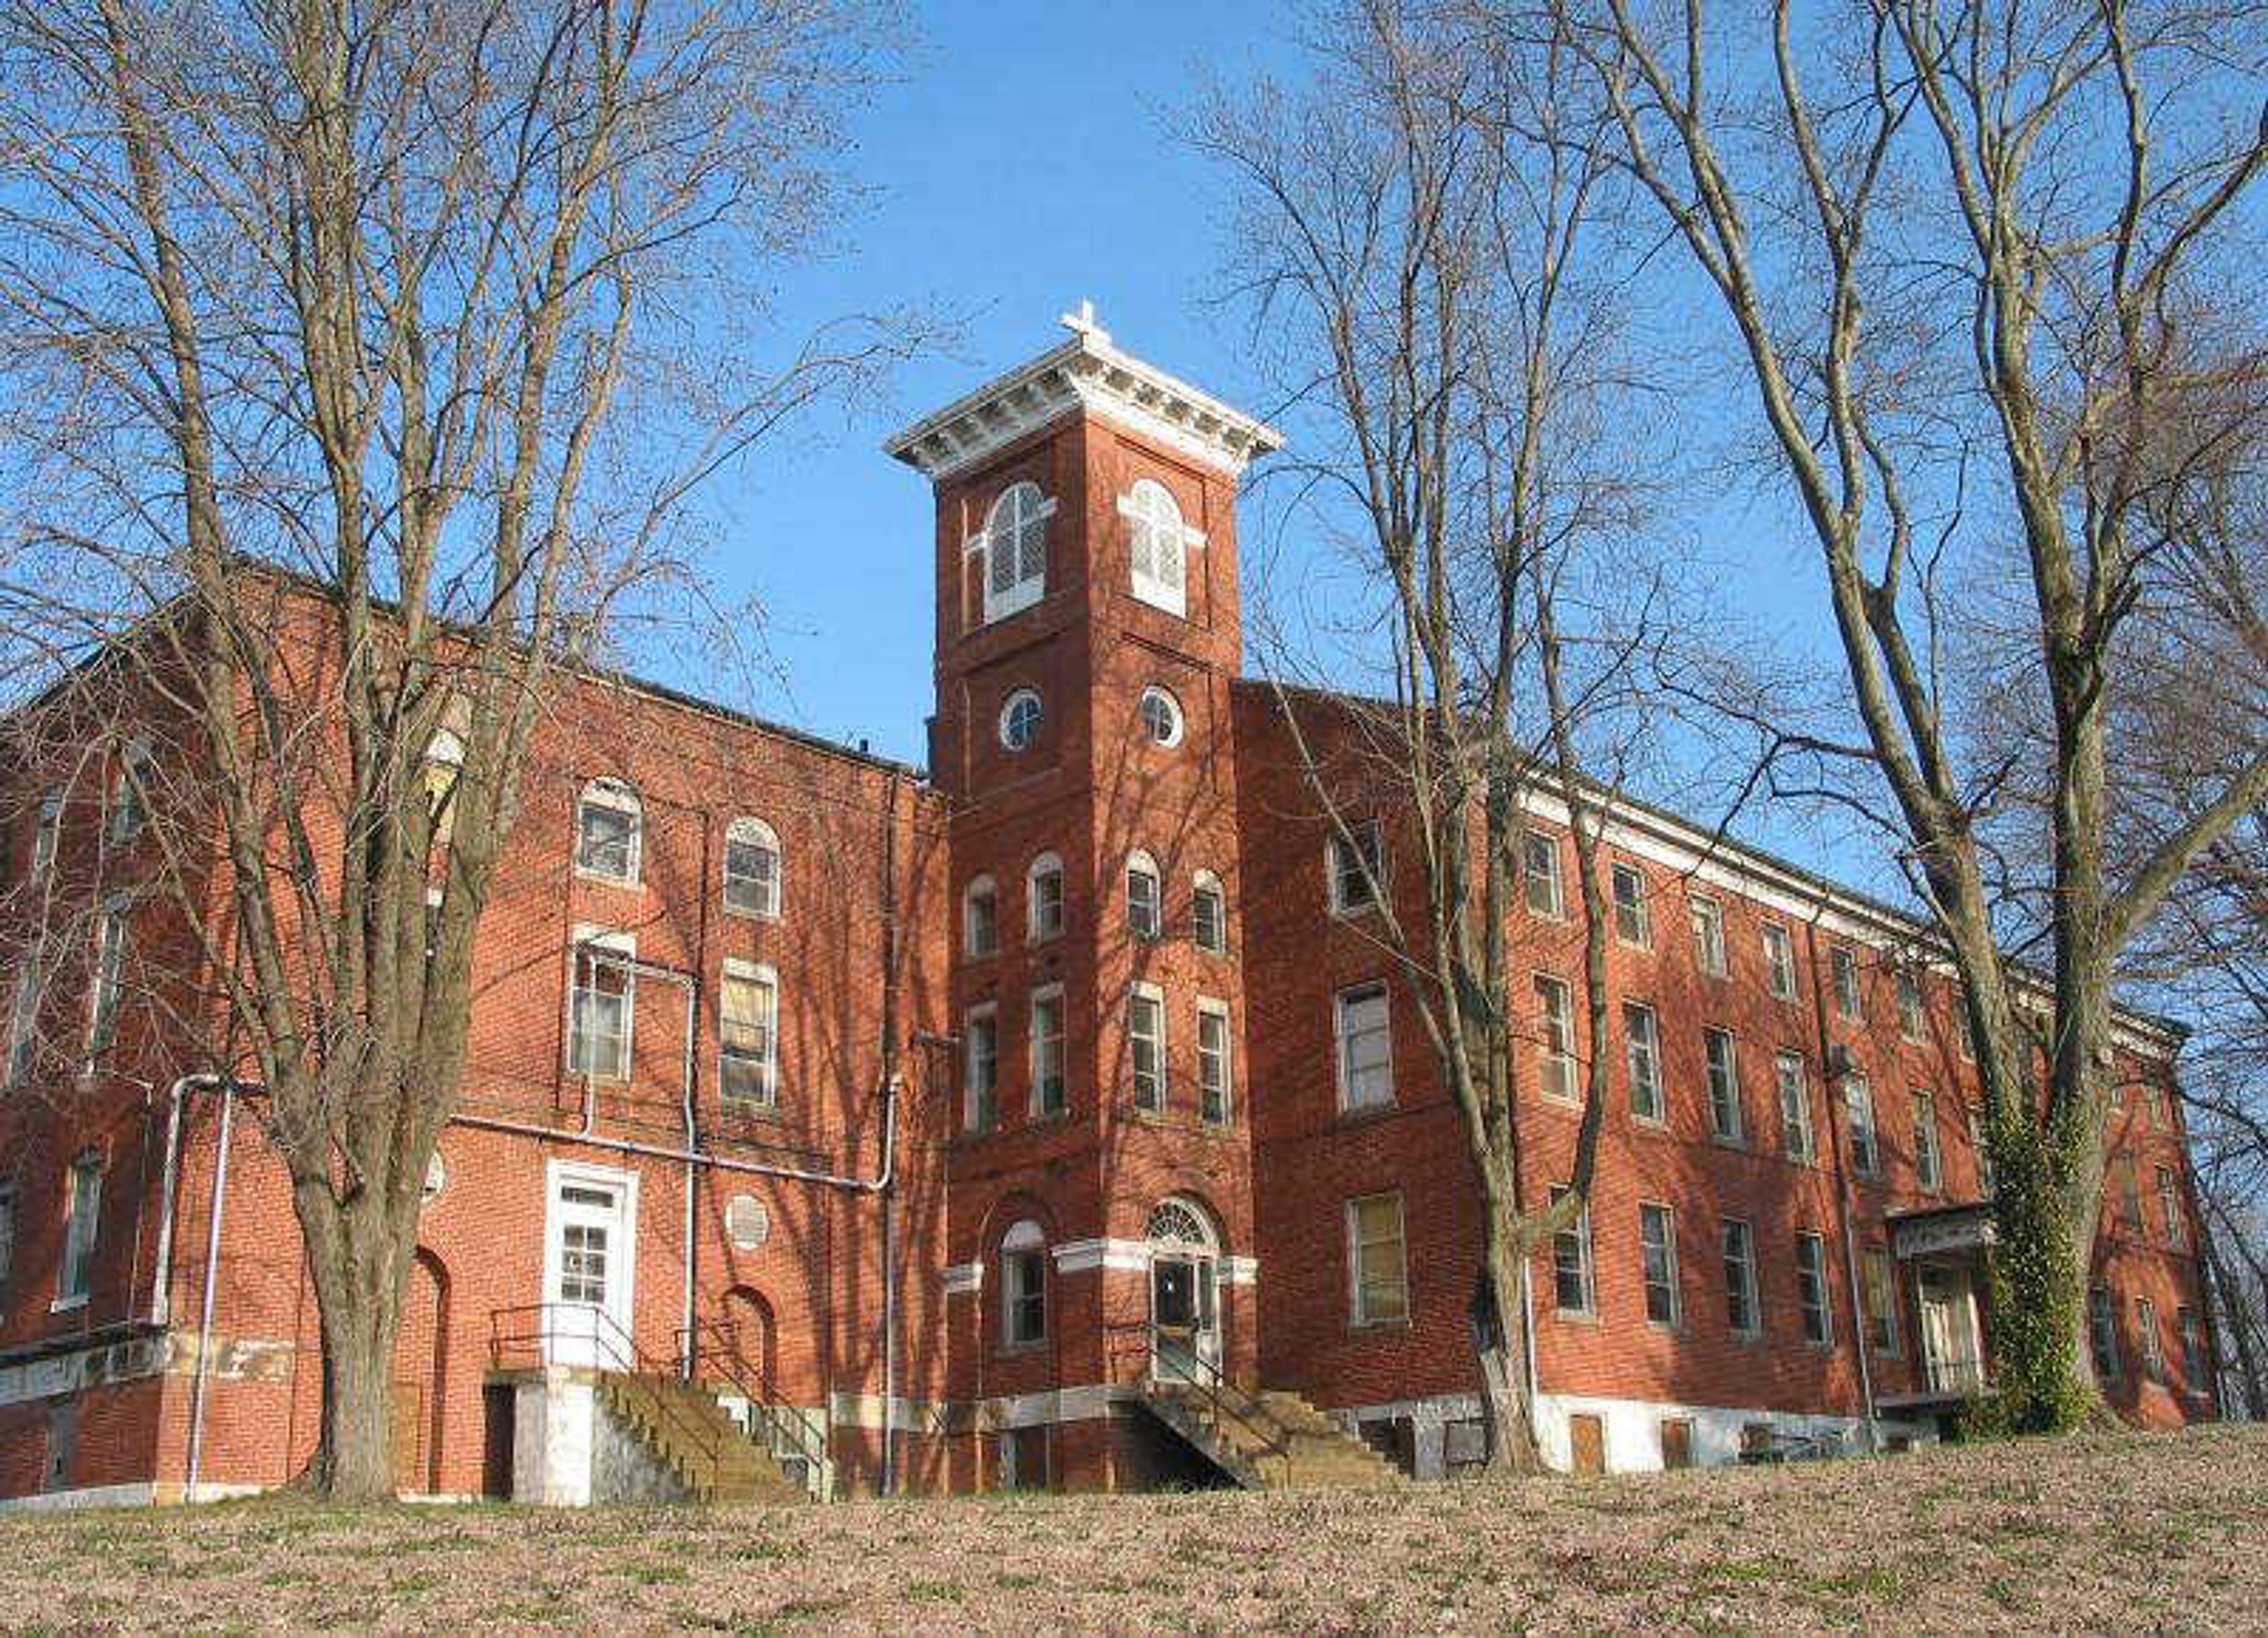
pixel 1019 719
pixel 748 1225
pixel 1161 717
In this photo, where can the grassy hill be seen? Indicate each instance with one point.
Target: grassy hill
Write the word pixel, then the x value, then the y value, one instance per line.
pixel 2124 1532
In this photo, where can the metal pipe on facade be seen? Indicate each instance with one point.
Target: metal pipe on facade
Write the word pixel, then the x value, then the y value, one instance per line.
pixel 212 1271
pixel 161 1294
pixel 1835 1140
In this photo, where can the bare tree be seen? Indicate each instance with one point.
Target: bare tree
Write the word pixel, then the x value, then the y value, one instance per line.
pixel 1411 235
pixel 1953 241
pixel 362 358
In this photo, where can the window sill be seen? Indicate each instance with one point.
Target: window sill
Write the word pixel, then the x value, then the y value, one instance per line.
pixel 1587 1317
pixel 67 1304
pixel 1349 912
pixel 751 1109
pixel 1048 1117
pixel 1738 1145
pixel 739 915
pixel 1374 1328
pixel 601 878
pixel 1363 1114
pixel 1021 1350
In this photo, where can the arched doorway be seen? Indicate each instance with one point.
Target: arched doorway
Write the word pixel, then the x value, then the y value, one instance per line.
pixel 1184 1291
pixel 752 1337
pixel 421 1352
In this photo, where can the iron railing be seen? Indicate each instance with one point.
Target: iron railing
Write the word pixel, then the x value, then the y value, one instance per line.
pixel 1961 1373
pixel 1133 1353
pixel 711 1351
pixel 529 1335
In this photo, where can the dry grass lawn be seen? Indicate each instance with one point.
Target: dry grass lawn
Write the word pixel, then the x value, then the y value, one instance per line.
pixel 2127 1533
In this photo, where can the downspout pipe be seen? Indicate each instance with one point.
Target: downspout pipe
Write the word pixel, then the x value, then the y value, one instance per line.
pixel 212 1270
pixel 1834 1138
pixel 161 1291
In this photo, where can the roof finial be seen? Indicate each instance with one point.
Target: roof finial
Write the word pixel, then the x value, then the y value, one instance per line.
pixel 1084 324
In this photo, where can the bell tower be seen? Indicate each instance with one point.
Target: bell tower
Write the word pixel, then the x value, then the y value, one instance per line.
pixel 1088 627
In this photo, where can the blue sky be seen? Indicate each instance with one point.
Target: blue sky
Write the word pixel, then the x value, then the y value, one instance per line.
pixel 1024 159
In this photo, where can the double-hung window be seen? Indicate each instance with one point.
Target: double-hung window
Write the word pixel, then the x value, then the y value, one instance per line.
pixel 603 1006
pixel 1980 1144
pixel 1724 1068
pixel 1146 1035
pixel 82 1224
pixel 1049 1095
pixel 2102 1333
pixel 1023 1285
pixel 1779 962
pixel 1657 1239
pixel 1878 1281
pixel 1539 856
pixel 752 869
pixel 24 1018
pixel 1865 1147
pixel 1209 913
pixel 1216 1065
pixel 1795 1136
pixel 1571 1260
pixel 1913 1020
pixel 1709 936
pixel 1365 1048
pixel 1741 1309
pixel 1642 1053
pixel 1846 983
pixel 1555 1008
pixel 130 805
pixel 981 1066
pixel 1358 860
pixel 1929 1163
pixel 2146 1334
pixel 1811 1290
pixel 1043 898
pixel 1633 913
pixel 980 917
pixel 748 1034
pixel 2196 1368
pixel 109 989
pixel 1145 914
pixel 2169 1204
pixel 609 826
pixel 1377 1264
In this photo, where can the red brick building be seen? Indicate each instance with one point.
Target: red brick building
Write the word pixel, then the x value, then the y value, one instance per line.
pixel 943 1123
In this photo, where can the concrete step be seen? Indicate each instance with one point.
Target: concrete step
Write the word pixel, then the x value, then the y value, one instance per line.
pixel 1273 1439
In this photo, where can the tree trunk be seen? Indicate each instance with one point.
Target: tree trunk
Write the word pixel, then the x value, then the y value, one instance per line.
pixel 1500 1319
pixel 2226 1300
pixel 358 1259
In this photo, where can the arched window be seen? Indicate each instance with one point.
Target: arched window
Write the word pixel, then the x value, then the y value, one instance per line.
pixel 1161 716
pixel 445 759
pixel 1159 546
pixel 1016 550
pixel 752 868
pixel 609 824
pixel 1024 1285
pixel 980 920
pixel 1209 913
pixel 1145 906
pixel 1021 715
pixel 1043 898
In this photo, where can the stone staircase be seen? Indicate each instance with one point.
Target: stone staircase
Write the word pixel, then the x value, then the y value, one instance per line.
pixel 1271 1440
pixel 704 1445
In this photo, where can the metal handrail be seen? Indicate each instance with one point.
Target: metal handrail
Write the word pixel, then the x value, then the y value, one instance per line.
pixel 1139 1339
pixel 783 1432
pixel 606 1333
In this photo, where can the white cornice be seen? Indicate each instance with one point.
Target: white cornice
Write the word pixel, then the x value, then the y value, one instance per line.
pixel 1086 373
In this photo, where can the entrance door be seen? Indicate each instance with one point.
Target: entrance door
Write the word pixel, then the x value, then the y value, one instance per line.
pixel 590 1260
pixel 1586 1445
pixel 1947 1339
pixel 1184 1294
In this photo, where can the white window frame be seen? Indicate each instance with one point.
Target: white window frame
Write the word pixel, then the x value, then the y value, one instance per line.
pixel 1576 1236
pixel 2153 1348
pixel 1929 1153
pixel 1849 1001
pixel 1707 916
pixel 1554 1039
pixel 1008 710
pixel 618 942
pixel 2169 1204
pixel 1779 961
pixel 1741 1275
pixel 1644 1047
pixel 979 1067
pixel 1140 996
pixel 1369 838
pixel 24 1017
pixel 746 831
pixel 1812 1282
pixel 1723 1082
pixel 1212 940
pixel 1023 1252
pixel 1159 696
pixel 1640 904
pixel 1154 519
pixel 129 801
pixel 1665 1214
pixel 1791 1089
pixel 1036 930
pixel 1358 1314
pixel 1216 1069
pixel 767 1062
pixel 1022 507
pixel 1147 928
pixel 1981 1150
pixel 1539 865
pixel 1037 1044
pixel 47 835
pixel 83 1182
pixel 1343 1039
pixel 981 889
pixel 1859 1100
pixel 1913 1011
pixel 105 994
pixel 614 795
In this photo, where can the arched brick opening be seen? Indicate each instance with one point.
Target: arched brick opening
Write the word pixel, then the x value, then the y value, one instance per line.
pixel 420 1355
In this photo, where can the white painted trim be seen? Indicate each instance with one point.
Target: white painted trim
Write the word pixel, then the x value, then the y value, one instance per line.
pixel 962 1278
pixel 1079 1256
pixel 141 1494
pixel 558 1174
pixel 1240 1270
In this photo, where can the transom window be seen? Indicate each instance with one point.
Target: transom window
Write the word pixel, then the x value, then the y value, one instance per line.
pixel 1161 716
pixel 1020 716
pixel 1158 547
pixel 752 869
pixel 1044 897
pixel 609 825
pixel 1177 1223
pixel 1366 1040
pixel 1015 547
pixel 748 1034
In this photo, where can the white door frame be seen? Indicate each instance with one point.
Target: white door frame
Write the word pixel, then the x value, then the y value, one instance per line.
pixel 564 1346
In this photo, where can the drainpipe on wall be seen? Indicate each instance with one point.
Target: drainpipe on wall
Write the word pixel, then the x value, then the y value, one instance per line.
pixel 212 1270
pixel 889 1481
pixel 1842 1183
pixel 161 1273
